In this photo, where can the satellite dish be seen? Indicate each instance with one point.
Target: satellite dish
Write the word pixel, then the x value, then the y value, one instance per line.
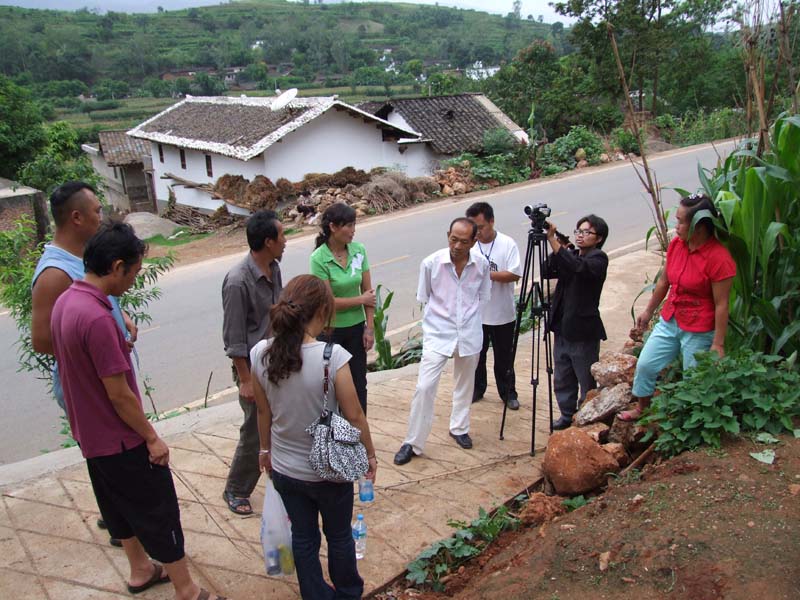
pixel 284 99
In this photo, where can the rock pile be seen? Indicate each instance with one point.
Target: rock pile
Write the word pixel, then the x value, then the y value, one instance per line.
pixel 579 458
pixel 458 180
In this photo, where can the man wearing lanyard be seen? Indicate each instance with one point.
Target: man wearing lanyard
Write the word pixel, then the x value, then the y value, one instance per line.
pixel 499 317
pixel 454 285
pixel 248 292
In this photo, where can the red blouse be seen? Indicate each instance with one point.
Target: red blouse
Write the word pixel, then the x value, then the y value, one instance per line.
pixel 690 274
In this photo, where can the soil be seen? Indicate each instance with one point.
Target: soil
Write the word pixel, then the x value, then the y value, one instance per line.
pixel 220 243
pixel 705 525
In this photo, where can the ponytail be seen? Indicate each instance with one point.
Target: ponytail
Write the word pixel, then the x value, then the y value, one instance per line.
pixel 337 214
pixel 301 300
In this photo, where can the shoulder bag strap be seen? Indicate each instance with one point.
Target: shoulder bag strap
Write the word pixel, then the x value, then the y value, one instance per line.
pixel 326 363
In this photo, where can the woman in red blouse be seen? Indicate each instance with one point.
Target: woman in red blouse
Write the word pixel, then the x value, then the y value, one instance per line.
pixel 699 274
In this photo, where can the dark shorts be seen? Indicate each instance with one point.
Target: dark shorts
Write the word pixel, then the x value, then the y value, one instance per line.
pixel 137 499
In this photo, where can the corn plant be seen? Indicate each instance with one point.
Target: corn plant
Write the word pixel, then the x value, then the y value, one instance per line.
pixel 383 347
pixel 758 198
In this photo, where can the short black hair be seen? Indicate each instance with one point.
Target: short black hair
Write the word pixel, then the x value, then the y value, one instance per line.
pixel 262 225
pixel 468 222
pixel 62 200
pixel 598 224
pixel 481 208
pixel 112 242
pixel 694 203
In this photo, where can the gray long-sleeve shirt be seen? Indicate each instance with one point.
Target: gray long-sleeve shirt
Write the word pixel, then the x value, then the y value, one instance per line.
pixel 247 296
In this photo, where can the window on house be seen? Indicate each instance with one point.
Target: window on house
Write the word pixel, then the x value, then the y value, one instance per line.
pixel 183 159
pixel 115 173
pixel 209 169
pixel 161 153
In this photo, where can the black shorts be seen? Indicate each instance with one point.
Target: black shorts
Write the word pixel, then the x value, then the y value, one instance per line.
pixel 137 498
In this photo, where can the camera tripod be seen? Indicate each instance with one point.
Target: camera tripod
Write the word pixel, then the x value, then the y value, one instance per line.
pixel 535 254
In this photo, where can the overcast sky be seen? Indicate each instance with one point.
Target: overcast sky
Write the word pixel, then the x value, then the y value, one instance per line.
pixel 529 7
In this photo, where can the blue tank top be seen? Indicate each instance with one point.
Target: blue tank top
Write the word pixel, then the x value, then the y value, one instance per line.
pixel 54 257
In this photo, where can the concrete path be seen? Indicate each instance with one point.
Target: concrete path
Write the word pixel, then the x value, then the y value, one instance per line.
pixel 50 547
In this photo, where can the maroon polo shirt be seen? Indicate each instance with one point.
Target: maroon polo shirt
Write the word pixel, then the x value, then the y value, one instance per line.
pixel 690 274
pixel 89 345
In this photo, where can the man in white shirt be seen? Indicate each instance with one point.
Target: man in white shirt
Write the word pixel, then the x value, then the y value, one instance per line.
pixel 454 284
pixel 499 314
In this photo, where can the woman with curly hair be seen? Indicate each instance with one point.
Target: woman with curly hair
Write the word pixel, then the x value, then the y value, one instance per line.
pixel 343 264
pixel 288 380
pixel 696 281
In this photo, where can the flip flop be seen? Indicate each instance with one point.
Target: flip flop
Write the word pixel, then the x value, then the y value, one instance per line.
pixel 206 595
pixel 155 579
pixel 630 415
pixel 234 504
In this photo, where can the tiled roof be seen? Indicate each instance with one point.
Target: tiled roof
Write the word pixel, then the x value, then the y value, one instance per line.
pixel 120 149
pixel 241 127
pixel 453 124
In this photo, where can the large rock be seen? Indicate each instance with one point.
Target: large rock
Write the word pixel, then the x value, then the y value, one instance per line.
pixel 575 463
pixel 618 453
pixel 605 405
pixel 597 431
pixel 614 368
pixel 627 433
pixel 146 225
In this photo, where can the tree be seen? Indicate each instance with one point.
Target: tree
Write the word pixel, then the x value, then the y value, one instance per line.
pixel 206 85
pixel 61 160
pixel 21 132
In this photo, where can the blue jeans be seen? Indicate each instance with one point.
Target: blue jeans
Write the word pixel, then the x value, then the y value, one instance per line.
pixel 666 341
pixel 305 501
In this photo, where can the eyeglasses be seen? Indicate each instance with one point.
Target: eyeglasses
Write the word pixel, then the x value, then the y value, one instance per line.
pixel 583 232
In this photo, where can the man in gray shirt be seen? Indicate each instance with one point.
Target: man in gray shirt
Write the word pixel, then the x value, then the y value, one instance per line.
pixel 248 292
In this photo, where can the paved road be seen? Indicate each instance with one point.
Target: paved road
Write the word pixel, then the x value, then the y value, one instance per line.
pixel 183 346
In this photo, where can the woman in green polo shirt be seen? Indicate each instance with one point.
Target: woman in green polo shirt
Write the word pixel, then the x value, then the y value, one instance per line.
pixel 343 264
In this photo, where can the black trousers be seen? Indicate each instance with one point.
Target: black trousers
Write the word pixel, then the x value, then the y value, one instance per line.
pixel 501 338
pixel 352 339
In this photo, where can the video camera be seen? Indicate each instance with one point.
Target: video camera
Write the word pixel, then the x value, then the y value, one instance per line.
pixel 537 213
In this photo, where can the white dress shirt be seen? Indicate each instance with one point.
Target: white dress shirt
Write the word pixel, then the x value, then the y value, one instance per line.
pixel 452 316
pixel 503 255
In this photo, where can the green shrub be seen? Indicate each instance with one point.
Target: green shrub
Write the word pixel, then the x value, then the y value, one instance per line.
pixel 625 140
pixel 88 107
pixel 511 167
pixel 499 141
pixel 562 151
pixel 745 390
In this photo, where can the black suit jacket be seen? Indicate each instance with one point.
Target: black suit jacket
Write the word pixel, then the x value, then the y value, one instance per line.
pixel 574 310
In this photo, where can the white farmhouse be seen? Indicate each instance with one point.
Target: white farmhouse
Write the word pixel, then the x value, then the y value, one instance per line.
pixel 200 139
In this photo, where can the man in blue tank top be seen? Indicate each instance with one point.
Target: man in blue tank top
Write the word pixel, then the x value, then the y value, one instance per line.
pixel 77 214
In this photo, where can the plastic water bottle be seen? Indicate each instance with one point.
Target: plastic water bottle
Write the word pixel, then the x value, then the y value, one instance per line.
pixel 366 493
pixel 360 536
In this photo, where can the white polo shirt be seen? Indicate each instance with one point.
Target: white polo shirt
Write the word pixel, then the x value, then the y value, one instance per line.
pixel 452 315
pixel 503 255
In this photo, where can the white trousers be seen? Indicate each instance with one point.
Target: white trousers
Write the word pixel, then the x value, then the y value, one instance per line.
pixel 420 421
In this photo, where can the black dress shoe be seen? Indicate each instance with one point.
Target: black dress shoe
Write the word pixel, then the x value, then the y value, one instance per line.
pixel 404 455
pixel 462 440
pixel 512 403
pixel 562 423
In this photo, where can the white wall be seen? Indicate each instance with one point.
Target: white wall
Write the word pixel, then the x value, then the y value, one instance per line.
pixel 336 140
pixel 196 171
pixel 113 189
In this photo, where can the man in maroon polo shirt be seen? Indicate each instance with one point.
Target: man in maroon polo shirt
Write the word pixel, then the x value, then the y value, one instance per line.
pixel 128 462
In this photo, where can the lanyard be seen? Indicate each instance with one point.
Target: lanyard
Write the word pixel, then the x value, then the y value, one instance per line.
pixel 488 257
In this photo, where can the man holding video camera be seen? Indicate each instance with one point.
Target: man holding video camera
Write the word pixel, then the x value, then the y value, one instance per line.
pixel 574 311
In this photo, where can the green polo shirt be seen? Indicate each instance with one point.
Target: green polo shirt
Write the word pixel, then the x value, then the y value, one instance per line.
pixel 345 281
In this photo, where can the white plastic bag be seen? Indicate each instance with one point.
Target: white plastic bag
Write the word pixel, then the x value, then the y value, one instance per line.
pixel 276 534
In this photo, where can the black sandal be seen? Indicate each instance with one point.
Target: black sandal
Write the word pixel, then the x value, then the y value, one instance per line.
pixel 235 504
pixel 157 578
